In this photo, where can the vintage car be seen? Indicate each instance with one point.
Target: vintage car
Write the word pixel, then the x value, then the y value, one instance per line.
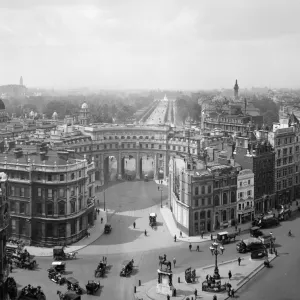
pixel 226 237
pixel 68 296
pixel 284 214
pixel 255 231
pixel 92 287
pixel 127 268
pixel 73 285
pixel 56 277
pixel 59 266
pixel 59 253
pixel 249 245
pixel 152 219
pixel 267 239
pixel 31 293
pixel 266 221
pixel 11 249
pixel 260 253
pixel 213 286
pixel 107 228
pixel 100 271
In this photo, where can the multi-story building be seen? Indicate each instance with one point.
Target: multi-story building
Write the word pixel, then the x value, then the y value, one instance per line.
pixel 4 224
pixel 257 154
pixel 245 196
pixel 51 194
pixel 224 194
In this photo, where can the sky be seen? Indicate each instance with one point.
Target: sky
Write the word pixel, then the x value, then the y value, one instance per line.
pixel 155 44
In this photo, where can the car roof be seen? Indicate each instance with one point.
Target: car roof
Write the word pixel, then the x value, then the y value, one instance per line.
pixel 58 248
pixel 254 228
pixel 72 280
pixel 58 263
pixel 223 232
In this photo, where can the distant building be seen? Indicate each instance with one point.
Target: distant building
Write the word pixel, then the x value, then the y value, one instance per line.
pixel 21 80
pixel 236 90
pixel 84 117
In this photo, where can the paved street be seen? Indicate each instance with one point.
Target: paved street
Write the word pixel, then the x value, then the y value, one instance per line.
pixel 158 115
pixel 129 202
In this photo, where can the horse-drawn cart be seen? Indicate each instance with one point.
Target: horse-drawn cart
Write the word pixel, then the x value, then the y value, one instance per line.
pixel 127 268
pixel 100 271
pixel 92 287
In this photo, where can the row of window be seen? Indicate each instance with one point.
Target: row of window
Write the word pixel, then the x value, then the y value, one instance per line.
pixel 285 183
pixel 202 215
pixel 284 172
pixel 42 176
pixel 217 201
pixel 203 201
pixel 203 190
pixel 286 151
pixel 248 204
pixel 59 208
pixel 284 161
pixel 248 194
pixel 51 194
pixel 225 182
pixel 284 141
pixel 19 191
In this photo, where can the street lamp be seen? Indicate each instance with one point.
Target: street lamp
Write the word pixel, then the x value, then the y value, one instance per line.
pixel 214 248
pixel 160 188
pixel 104 198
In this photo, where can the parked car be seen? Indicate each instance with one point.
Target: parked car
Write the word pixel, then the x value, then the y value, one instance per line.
pixel 249 245
pixel 226 237
pixel 107 228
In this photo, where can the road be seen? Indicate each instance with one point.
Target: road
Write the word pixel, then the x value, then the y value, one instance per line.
pixel 280 282
pixel 158 115
pixel 132 201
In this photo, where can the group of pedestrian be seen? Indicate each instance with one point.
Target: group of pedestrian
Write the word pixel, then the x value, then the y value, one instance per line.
pixel 104 259
pixel 98 211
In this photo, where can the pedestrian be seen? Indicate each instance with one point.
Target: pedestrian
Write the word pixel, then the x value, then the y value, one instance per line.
pixel 240 231
pixel 232 293
pixel 175 238
pixel 239 261
pixel 190 247
pixel 211 237
pixel 98 211
pixel 174 261
pixel 168 297
pixel 275 252
pixel 101 220
pixel 145 232
pixel 134 225
pixel 229 292
pixel 229 275
pixel 195 293
pixel 198 249
pixel 215 297
pixel 236 227
pixel 201 234
pixel 207 276
pixel 180 234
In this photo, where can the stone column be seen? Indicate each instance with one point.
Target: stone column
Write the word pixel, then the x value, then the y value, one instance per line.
pixel 165 167
pixel 137 166
pixel 119 166
pixel 101 170
pixel 155 167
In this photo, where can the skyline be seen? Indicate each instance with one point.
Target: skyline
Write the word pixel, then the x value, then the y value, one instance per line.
pixel 150 45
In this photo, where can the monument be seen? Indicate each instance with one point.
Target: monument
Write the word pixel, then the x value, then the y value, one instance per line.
pixel 165 275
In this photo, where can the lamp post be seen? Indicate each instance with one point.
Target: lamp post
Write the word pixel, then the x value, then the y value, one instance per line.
pixel 160 188
pixel 216 251
pixel 104 199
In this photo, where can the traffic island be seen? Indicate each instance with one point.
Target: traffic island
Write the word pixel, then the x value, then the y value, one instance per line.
pixel 241 274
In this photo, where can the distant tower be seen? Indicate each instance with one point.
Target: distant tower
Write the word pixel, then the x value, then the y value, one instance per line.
pixel 236 90
pixel 21 80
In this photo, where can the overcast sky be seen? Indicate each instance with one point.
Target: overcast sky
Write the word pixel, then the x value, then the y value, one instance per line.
pixel 150 44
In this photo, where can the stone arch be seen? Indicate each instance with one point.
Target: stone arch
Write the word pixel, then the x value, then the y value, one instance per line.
pixel 217 200
pixel 225 199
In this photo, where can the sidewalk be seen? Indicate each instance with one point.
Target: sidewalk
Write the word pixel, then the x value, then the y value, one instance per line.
pixel 95 232
pixel 240 276
pixel 170 222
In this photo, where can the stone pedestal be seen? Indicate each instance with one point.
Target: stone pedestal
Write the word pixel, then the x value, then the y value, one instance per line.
pixel 165 284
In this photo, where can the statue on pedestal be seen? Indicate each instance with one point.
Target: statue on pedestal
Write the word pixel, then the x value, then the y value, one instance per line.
pixel 165 275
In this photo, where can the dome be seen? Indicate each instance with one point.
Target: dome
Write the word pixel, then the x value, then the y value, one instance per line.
pixel 55 114
pixel 32 113
pixel 2 106
pixel 84 106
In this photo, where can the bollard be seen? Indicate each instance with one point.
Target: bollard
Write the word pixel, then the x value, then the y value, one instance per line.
pixel 134 289
pixel 140 282
pixel 178 279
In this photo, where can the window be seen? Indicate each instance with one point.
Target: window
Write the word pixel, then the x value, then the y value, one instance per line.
pixel 12 191
pixel 278 186
pixel 61 230
pixel 61 193
pixel 80 224
pixel 196 203
pixel 39 176
pixel 284 172
pixel 202 214
pixel 12 206
pixel 290 170
pixel 225 199
pixel 13 226
pixel 284 184
pixel 79 174
pixel 196 190
pixel 39 192
pixel 203 202
pixel 208 214
pixel 22 176
pixel 209 189
pixel 285 151
pixel 73 227
pixel 249 193
pixel 285 141
pixel 50 210
pixel 50 193
pixel 152 146
pixel 291 150
pixel 39 208
pixel 72 176
pixel 278 162
pixel 278 173
pixel 278 142
pixel 159 146
pixel 73 206
pixel 22 208
pixel 79 203
pixel 241 195
pixel 290 159
pixel 90 191
pixel 290 181
pixel 203 189
pixel 61 208
pixel 217 200
pixel 284 161
pixel 196 216
pixel 12 175
pixel 233 197
pixel 49 177
pixel 146 145
pixel 22 192
pixel 297 148
pixel 61 177
pixel 249 181
pixel 174 147
pixel 72 191
pixel 278 153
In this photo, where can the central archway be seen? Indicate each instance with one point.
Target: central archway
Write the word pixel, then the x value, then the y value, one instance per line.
pixel 129 168
pixel 110 169
pixel 147 167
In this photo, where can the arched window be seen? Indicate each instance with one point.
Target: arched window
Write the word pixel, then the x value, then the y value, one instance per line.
pixel 61 208
pixel 217 200
pixel 232 214
pixel 224 216
pixel 147 137
pixel 202 214
pixel 122 137
pixel 116 137
pixel 233 197
pixel 104 137
pixel 110 138
pixel 203 189
pixel 152 137
pixel 196 216
pixel 225 199
pixel 209 189
pixel 128 137
pixel 141 137
pixel 134 137
pixel 196 190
